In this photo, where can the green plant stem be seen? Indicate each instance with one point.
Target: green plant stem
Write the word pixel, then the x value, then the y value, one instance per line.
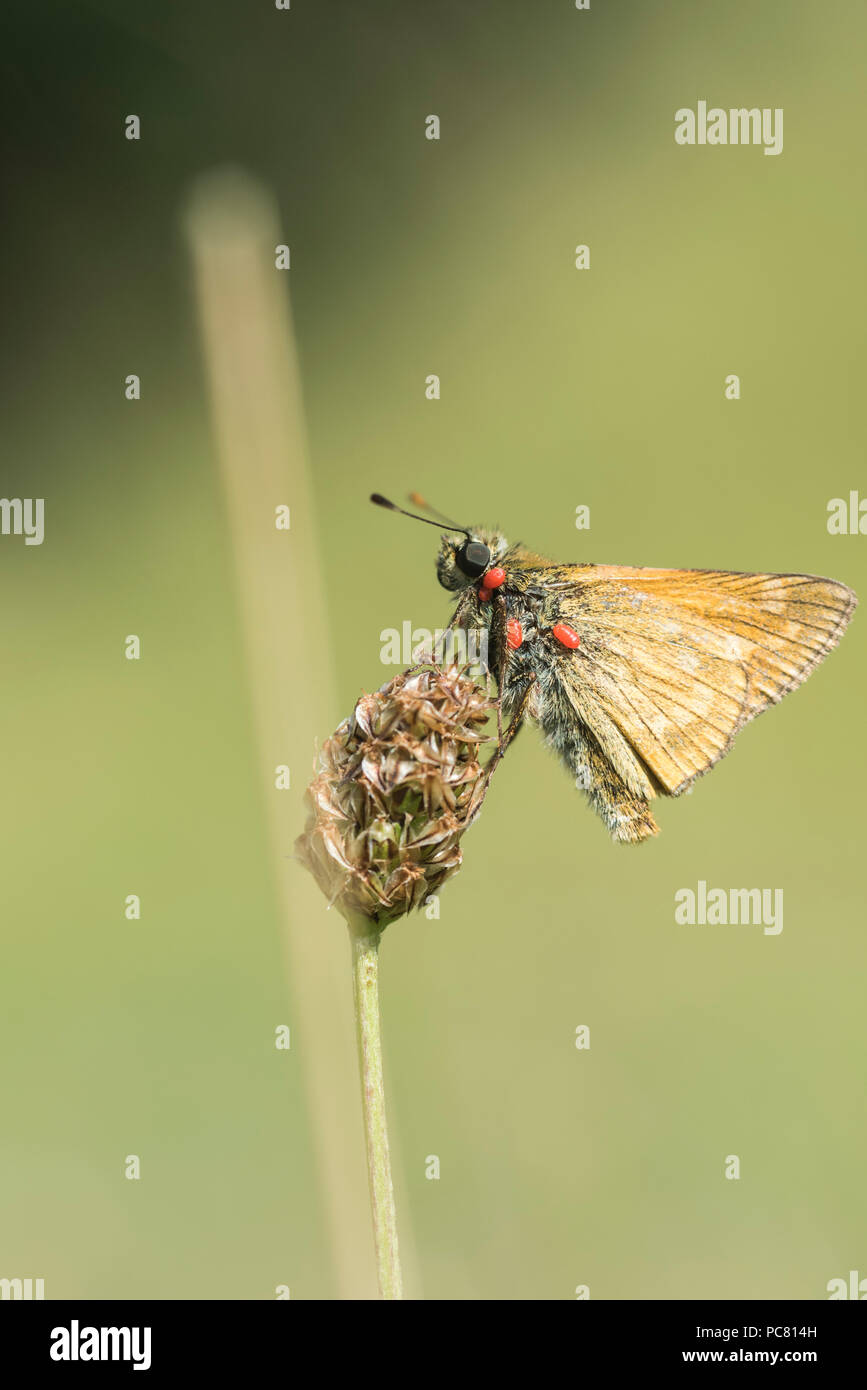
pixel 364 936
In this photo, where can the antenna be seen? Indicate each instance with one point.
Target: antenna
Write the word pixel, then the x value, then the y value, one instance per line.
pixel 418 501
pixel 381 501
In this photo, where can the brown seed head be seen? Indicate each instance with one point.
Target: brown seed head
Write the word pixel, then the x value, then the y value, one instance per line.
pixel 398 784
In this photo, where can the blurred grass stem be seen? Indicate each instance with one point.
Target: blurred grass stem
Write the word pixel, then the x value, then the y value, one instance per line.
pixel 258 421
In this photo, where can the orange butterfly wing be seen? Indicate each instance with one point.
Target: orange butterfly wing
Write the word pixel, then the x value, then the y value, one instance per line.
pixel 672 663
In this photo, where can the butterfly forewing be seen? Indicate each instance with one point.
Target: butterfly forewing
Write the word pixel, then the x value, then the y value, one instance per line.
pixel 676 661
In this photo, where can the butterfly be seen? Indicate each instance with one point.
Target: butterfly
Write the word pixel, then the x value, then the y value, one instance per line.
pixel 638 678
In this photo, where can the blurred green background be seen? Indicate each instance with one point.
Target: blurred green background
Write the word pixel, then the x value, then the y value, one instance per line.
pixel 409 257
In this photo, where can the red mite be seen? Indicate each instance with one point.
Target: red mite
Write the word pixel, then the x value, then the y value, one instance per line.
pixel 492 580
pixel 567 635
pixel 564 634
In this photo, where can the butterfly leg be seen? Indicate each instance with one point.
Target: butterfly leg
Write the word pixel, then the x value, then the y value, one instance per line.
pixel 514 726
pixel 523 700
pixel 520 710
pixel 436 659
pixel 456 620
pixel 498 642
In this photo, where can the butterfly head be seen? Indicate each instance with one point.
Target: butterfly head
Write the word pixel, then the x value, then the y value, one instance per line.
pixel 463 560
pixel 465 555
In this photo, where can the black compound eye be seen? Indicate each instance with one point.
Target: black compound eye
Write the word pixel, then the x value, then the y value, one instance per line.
pixel 473 559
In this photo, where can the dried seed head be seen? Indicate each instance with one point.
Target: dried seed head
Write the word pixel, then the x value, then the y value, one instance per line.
pixel 397 785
